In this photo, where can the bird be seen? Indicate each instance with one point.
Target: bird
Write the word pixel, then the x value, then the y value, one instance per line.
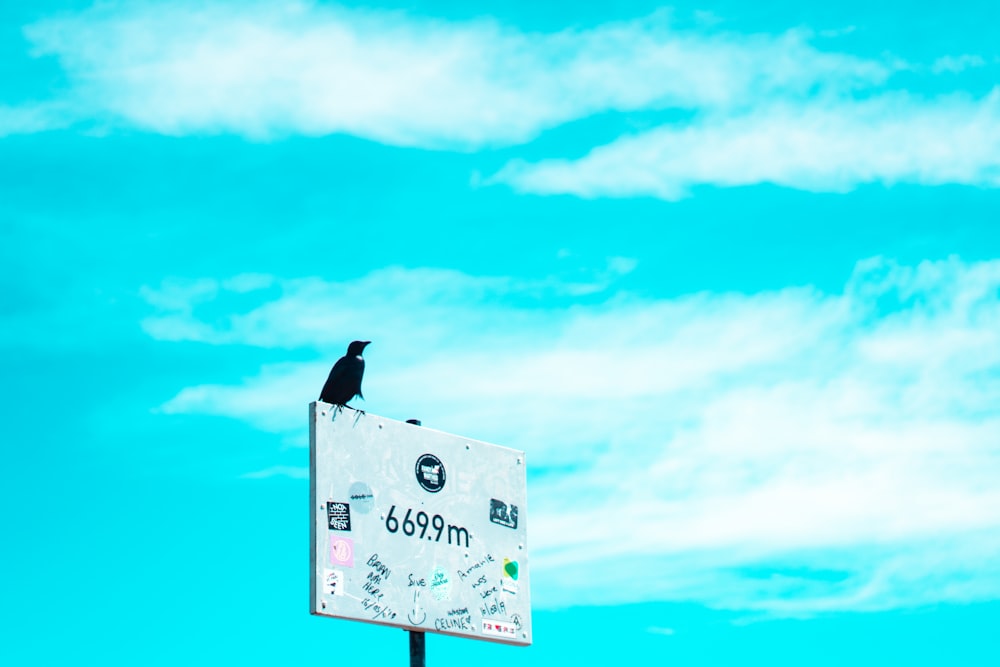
pixel 344 381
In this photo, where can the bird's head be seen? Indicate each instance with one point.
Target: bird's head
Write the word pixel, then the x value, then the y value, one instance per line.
pixel 357 347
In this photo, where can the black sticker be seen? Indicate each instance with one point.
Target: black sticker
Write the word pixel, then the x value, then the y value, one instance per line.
pixel 430 473
pixel 338 515
pixel 503 515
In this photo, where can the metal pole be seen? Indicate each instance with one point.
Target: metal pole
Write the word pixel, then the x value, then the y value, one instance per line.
pixel 418 646
pixel 418 652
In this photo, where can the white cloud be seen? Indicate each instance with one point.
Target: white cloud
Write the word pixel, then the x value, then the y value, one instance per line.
pixel 262 70
pixel 267 402
pixel 792 452
pixel 767 108
pixel 314 312
pixel 31 118
pixel 826 146
pixel 290 472
pixel 955 64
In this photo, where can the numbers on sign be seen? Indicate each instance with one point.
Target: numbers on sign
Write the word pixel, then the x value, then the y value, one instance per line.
pixel 438 523
pixel 455 534
pixel 391 522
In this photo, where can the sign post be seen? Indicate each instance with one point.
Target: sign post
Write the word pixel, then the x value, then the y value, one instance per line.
pixel 418 640
pixel 418 649
pixel 417 529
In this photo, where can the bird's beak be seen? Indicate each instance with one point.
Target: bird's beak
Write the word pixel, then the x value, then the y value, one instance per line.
pixel 366 343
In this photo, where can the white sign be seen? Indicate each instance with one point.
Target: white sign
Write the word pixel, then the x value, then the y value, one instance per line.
pixel 416 528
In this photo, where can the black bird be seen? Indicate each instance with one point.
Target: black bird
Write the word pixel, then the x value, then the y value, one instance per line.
pixel 344 382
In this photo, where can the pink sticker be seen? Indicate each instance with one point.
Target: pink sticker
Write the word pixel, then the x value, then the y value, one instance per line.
pixel 342 551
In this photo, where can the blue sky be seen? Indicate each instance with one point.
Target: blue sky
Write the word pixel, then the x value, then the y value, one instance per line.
pixel 728 272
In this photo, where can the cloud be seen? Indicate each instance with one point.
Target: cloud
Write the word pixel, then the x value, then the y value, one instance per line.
pixel 765 108
pixel 825 146
pixel 262 311
pixel 792 452
pixel 31 118
pixel 955 64
pixel 265 70
pixel 266 402
pixel 291 472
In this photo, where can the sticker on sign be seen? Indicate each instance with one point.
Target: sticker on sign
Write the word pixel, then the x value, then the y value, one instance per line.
pixel 497 628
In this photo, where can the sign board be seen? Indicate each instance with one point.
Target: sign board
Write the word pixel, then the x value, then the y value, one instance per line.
pixel 415 528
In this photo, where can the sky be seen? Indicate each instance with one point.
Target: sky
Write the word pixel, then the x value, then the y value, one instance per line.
pixel 728 273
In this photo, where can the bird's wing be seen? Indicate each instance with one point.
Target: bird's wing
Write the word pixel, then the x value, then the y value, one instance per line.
pixel 336 373
pixel 339 368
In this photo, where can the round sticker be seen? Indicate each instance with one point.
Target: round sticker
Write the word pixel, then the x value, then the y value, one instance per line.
pixel 430 473
pixel 361 497
pixel 342 551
